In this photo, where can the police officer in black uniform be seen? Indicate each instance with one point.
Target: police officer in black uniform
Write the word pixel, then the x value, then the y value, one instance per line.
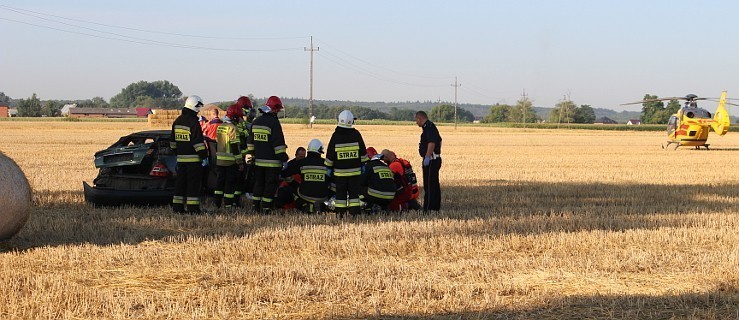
pixel 430 150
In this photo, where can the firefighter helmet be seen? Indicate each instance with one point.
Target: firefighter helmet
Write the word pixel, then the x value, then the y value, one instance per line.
pixel 346 119
pixel 244 102
pixel 316 146
pixel 194 103
pixel 371 152
pixel 235 112
pixel 274 103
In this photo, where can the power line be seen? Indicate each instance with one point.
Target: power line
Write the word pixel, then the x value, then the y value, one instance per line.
pixel 382 67
pixel 149 31
pixel 455 85
pixel 147 41
pixel 354 67
pixel 310 100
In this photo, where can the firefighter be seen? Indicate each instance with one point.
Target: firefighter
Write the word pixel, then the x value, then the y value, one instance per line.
pixel 345 157
pixel 378 183
pixel 314 180
pixel 405 181
pixel 245 180
pixel 267 145
pixel 188 144
pixel 288 188
pixel 228 157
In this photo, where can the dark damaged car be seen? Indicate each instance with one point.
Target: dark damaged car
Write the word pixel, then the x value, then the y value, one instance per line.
pixel 139 169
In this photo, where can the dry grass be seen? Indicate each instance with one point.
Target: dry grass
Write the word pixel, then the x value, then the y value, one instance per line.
pixel 537 224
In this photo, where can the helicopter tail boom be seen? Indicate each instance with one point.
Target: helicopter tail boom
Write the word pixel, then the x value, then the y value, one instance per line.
pixel 721 121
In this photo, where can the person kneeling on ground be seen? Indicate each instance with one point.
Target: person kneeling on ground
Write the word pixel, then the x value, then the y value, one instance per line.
pixel 378 184
pixel 314 188
pixel 406 183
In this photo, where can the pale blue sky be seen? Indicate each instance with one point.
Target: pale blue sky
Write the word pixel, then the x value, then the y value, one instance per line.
pixel 600 52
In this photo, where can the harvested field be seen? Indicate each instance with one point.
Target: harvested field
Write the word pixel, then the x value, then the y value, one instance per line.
pixel 537 224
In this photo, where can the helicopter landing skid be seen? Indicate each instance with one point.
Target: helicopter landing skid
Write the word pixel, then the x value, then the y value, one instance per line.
pixel 665 146
pixel 677 145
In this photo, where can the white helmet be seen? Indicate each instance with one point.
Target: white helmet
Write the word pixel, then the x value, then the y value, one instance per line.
pixel 346 119
pixel 316 146
pixel 193 103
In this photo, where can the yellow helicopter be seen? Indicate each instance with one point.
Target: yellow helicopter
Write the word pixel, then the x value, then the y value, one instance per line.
pixel 691 124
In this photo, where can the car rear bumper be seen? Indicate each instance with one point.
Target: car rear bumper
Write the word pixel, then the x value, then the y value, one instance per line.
pixel 108 197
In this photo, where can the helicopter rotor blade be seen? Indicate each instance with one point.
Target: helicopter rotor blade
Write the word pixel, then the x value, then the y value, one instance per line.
pixel 654 100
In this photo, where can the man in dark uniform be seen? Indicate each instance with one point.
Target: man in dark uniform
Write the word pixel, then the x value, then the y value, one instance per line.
pixel 267 144
pixel 430 150
pixel 345 158
pixel 189 146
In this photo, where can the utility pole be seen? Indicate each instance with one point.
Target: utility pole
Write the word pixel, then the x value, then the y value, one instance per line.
pixel 455 85
pixel 524 99
pixel 310 99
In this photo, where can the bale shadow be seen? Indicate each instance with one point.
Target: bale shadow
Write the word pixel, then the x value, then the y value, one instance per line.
pixel 719 303
pixel 511 208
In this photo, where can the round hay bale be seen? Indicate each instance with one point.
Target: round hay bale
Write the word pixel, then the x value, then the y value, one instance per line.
pixel 15 200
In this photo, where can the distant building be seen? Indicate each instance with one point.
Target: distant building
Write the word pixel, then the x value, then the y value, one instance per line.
pixel 634 122
pixel 4 110
pixel 13 112
pixel 66 108
pixel 605 120
pixel 143 112
pixel 105 112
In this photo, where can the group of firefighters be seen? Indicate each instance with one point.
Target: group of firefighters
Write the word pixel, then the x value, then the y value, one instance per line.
pixel 252 162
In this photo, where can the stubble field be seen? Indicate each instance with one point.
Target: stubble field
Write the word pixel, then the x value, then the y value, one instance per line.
pixel 536 224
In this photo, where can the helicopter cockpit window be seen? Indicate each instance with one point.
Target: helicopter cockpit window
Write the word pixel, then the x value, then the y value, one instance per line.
pixel 672 122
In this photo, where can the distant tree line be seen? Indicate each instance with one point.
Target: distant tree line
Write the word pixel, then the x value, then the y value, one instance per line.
pixel 523 112
pixel 440 113
pixel 164 94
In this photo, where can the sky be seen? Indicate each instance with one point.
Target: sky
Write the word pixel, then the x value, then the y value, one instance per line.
pixel 601 53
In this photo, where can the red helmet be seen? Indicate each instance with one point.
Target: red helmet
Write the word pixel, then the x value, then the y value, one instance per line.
pixel 235 111
pixel 371 152
pixel 274 103
pixel 244 102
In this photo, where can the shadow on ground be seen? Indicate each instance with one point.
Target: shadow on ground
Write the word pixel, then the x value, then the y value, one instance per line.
pixel 720 303
pixel 60 218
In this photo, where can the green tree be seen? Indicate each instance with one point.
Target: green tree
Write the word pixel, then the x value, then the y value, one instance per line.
pixel 584 114
pixel 30 107
pixel 163 94
pixel 5 99
pixel 563 112
pixel 402 114
pixel 652 110
pixel 99 102
pixel 498 113
pixel 51 109
pixel 445 113
pixel 521 109
pixel 673 106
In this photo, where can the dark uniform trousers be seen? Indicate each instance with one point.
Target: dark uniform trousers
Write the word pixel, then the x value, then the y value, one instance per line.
pixel 348 190
pixel 266 181
pixel 187 187
pixel 226 184
pixel 431 186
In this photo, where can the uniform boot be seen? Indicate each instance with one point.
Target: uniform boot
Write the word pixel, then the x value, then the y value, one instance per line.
pixel 355 211
pixel 178 208
pixel 237 199
pixel 218 198
pixel 193 209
